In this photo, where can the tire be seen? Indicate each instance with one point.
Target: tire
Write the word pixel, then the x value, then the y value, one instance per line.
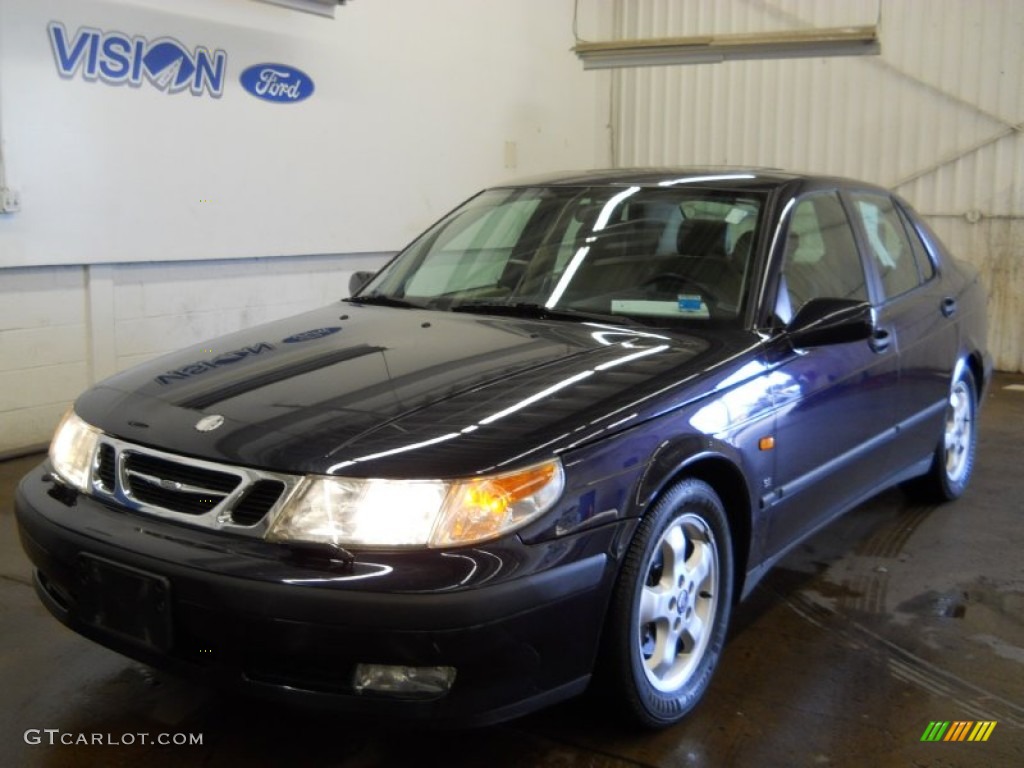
pixel 953 463
pixel 670 607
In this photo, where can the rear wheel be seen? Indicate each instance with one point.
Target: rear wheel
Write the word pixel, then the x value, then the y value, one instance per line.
pixel 953 463
pixel 670 609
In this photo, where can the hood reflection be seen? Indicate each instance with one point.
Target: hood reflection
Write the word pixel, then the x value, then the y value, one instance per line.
pixel 632 355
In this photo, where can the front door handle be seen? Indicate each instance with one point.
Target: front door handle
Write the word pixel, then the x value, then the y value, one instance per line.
pixel 948 306
pixel 880 340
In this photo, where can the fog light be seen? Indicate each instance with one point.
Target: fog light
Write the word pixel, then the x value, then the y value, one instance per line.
pixel 403 681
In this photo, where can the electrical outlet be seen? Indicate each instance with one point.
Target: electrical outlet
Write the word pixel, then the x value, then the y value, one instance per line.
pixel 10 200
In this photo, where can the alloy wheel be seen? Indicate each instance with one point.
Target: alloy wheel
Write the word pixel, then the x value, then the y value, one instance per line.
pixel 677 605
pixel 959 426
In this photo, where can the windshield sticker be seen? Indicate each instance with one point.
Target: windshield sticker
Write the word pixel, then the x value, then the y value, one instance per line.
pixel 657 308
pixel 692 305
pixel 689 302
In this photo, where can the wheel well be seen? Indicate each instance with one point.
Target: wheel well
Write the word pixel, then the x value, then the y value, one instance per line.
pixel 728 482
pixel 977 370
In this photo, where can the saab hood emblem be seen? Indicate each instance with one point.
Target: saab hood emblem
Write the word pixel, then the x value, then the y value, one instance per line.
pixel 209 423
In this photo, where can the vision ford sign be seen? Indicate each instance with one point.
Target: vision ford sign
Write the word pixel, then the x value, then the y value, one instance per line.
pixel 115 59
pixel 277 82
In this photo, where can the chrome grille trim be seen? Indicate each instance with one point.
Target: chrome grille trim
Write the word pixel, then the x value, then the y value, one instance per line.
pixel 170 485
pixel 217 517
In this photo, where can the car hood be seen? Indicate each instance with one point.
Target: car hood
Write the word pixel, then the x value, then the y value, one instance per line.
pixel 386 392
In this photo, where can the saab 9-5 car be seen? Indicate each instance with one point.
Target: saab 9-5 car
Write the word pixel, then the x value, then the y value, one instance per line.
pixel 554 439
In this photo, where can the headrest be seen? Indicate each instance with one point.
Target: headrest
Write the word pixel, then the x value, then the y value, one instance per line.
pixel 701 237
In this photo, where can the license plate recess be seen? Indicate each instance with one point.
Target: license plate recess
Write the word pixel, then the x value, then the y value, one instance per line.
pixel 124 601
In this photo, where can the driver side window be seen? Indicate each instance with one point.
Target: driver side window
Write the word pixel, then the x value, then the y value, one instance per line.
pixel 821 258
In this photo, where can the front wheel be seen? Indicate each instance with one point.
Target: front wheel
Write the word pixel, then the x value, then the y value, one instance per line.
pixel 670 609
pixel 953 463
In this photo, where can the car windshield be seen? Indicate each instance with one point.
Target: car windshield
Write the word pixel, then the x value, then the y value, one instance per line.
pixel 661 255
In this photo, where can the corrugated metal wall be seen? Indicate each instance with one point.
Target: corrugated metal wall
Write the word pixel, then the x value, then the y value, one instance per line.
pixel 938 116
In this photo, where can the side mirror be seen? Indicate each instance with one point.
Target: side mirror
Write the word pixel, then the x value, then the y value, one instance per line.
pixel 821 322
pixel 357 281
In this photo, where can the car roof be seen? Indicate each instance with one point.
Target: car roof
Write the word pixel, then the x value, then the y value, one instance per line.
pixel 726 177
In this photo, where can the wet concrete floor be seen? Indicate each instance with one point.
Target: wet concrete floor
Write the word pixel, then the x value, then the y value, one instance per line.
pixel 895 616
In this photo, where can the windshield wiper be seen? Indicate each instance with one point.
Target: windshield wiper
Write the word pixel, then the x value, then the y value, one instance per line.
pixel 537 311
pixel 383 300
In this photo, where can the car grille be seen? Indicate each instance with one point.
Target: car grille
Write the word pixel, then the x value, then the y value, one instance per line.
pixel 105 471
pixel 176 486
pixel 257 501
pixel 194 491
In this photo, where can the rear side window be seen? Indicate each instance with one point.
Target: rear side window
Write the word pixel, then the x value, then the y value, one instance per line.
pixel 821 259
pixel 888 243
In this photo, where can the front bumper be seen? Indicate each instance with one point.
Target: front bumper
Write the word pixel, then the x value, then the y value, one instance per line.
pixel 520 624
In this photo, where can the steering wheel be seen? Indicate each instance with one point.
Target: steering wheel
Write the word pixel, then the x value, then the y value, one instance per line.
pixel 683 280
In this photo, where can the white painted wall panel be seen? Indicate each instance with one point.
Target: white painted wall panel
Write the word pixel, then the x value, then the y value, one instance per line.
pixel 413 104
pixel 64 328
pixel 43 350
pixel 41 385
pixel 938 116
pixel 162 307
pixel 41 297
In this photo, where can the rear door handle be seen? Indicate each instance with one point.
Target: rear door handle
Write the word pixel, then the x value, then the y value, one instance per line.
pixel 880 340
pixel 948 306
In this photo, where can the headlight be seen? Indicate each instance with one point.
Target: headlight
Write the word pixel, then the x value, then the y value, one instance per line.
pixel 416 513
pixel 72 450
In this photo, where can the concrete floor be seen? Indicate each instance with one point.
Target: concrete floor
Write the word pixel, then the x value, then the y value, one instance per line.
pixel 895 616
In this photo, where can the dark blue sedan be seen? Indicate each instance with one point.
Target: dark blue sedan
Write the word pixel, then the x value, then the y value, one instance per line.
pixel 555 439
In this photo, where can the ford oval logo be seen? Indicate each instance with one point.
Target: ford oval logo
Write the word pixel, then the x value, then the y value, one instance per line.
pixel 277 82
pixel 315 333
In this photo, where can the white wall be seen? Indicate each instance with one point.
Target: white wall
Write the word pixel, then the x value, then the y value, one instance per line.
pixel 415 99
pixel 152 220
pixel 64 328
pixel 937 116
